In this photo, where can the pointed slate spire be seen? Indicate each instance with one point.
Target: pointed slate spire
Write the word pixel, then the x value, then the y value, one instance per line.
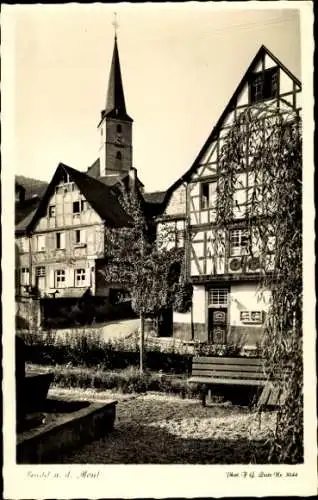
pixel 115 102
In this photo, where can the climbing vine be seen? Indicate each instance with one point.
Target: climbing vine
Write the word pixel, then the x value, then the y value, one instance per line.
pixel 268 143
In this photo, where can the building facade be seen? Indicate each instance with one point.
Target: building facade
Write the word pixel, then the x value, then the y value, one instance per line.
pixel 59 249
pixel 60 245
pixel 227 306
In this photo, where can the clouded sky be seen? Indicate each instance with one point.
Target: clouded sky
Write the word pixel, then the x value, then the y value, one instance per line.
pixel 180 65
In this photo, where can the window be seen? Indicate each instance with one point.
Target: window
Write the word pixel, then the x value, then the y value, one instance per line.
pixel 256 317
pixel 79 206
pixel 65 178
pixel 79 236
pixel 173 233
pixel 65 185
pixel 208 195
pixel 80 277
pixel 25 276
pixel 52 211
pixel 264 85
pixel 218 297
pixel 59 278
pixel 204 196
pixel 65 188
pixel 240 195
pixel 239 242
pixel 76 207
pixel 60 240
pixel 40 272
pixel 118 155
pixel 118 128
pixel 40 243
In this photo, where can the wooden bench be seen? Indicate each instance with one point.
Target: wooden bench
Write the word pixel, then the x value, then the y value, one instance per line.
pixel 209 371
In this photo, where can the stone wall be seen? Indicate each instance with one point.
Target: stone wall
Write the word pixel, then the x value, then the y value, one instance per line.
pixel 245 335
pixel 28 313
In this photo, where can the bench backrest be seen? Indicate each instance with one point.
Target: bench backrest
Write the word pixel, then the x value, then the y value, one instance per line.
pixel 219 367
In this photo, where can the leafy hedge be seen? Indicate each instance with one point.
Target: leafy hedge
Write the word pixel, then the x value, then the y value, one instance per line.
pixel 87 350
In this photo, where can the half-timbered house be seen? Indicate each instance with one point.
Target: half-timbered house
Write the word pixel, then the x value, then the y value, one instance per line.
pixel 60 243
pixel 227 307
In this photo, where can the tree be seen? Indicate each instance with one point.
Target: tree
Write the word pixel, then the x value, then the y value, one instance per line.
pixel 143 266
pixel 269 144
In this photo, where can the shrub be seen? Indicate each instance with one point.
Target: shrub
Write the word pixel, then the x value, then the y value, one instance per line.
pixel 229 350
pixel 88 350
pixel 126 381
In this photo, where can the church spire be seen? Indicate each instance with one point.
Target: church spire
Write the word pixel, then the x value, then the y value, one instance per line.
pixel 115 102
pixel 115 126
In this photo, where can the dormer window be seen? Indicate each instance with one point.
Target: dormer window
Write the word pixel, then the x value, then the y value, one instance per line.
pixel 52 211
pixel 264 85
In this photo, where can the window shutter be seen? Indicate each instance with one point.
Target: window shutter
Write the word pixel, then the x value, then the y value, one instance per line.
pixel 62 240
pixel 69 277
pixel 87 276
pixel 51 278
pixel 43 242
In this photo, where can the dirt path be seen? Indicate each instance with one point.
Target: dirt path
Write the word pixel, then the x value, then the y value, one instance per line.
pixel 161 429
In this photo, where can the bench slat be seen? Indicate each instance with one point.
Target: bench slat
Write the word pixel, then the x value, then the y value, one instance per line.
pixel 227 374
pixel 244 370
pixel 214 366
pixel 225 381
pixel 229 361
pixel 264 395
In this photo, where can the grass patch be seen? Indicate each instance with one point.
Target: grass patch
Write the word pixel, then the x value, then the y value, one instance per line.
pixel 127 381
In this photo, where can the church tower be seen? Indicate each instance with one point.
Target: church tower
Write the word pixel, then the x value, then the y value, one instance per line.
pixel 115 126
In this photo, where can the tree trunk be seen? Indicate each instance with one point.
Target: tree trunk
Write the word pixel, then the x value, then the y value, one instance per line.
pixel 141 346
pixel 192 325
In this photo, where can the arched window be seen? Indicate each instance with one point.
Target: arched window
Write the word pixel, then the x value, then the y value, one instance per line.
pixel 118 128
pixel 118 155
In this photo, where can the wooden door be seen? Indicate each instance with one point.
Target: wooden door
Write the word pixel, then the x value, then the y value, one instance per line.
pixel 217 325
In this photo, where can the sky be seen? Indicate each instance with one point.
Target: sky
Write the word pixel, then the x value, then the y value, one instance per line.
pixel 180 65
